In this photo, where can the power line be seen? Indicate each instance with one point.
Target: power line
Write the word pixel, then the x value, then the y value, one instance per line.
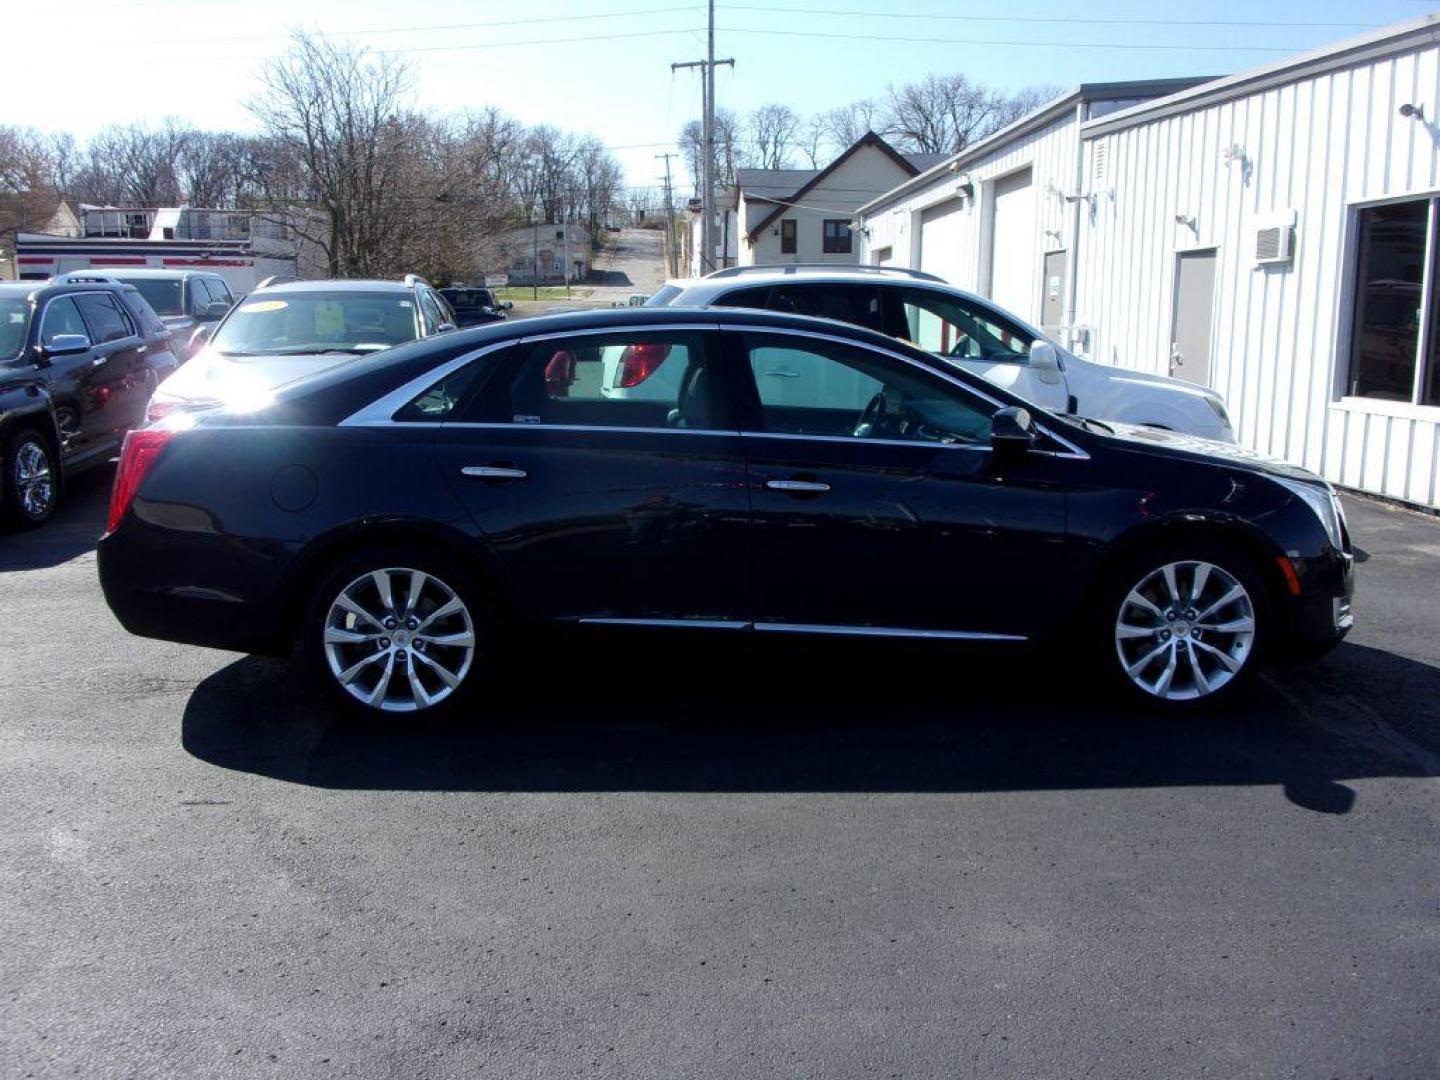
pixel 1027 44
pixel 1069 19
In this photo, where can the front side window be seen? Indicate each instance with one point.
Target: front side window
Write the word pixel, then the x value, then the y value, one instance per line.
pixel 62 317
pixel 623 380
pixel 949 326
pixel 825 389
pixel 787 237
pixel 1397 251
pixel 838 238
pixel 106 319
pixel 266 324
pixel 219 291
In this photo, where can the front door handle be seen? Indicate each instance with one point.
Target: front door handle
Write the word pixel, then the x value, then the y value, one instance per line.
pixel 812 487
pixel 494 472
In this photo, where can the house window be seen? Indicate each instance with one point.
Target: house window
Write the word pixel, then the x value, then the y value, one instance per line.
pixel 1395 339
pixel 787 236
pixel 837 237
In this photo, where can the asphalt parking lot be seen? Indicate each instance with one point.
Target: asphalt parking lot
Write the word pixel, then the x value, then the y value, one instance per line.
pixel 692 862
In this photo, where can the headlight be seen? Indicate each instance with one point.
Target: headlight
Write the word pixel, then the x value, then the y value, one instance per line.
pixel 1219 408
pixel 1321 499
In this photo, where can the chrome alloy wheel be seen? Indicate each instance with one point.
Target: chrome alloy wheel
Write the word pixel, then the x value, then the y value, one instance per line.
pixel 33 480
pixel 1185 631
pixel 399 640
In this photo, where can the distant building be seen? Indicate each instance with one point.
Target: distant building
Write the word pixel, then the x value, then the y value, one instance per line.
pixel 539 254
pixel 778 216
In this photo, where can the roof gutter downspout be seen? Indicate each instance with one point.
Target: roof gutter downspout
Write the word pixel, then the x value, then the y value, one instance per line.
pixel 1072 285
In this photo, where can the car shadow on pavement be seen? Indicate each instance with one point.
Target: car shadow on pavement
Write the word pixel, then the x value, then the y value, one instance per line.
pixel 72 531
pixel 811 719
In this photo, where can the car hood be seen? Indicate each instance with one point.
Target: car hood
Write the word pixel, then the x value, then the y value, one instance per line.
pixel 250 380
pixel 1178 443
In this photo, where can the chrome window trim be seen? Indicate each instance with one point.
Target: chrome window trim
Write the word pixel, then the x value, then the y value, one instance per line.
pixel 501 425
pixel 1074 452
pixel 809 628
pixel 696 624
pixel 860 440
pixel 886 632
pixel 381 412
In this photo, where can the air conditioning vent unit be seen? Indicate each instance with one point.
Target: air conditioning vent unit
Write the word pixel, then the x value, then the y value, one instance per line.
pixel 1275 238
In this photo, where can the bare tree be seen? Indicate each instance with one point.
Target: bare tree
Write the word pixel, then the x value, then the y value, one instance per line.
pixel 728 148
pixel 340 111
pixel 815 140
pixel 846 124
pixel 772 134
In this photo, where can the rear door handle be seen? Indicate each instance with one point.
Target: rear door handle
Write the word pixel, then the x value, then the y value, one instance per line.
pixel 494 472
pixel 810 486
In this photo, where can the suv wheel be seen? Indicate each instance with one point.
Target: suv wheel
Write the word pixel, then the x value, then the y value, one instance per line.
pixel 30 484
pixel 1184 626
pixel 393 634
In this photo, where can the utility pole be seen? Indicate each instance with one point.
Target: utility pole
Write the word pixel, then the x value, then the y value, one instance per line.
pixel 707 167
pixel 672 256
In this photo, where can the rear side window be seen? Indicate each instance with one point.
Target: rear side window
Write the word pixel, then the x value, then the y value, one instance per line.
pixel 635 380
pixel 858 305
pixel 106 319
pixel 143 314
pixel 746 298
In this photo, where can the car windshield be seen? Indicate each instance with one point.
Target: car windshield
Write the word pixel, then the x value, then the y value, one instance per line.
pixel 315 322
pixel 14 323
pixel 162 295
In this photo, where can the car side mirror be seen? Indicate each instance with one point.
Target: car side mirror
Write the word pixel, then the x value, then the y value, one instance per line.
pixel 215 311
pixel 445 327
pixel 508 305
pixel 1012 431
pixel 1046 361
pixel 64 345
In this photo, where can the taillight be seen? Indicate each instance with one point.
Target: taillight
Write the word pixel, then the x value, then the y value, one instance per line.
pixel 638 362
pixel 158 410
pixel 140 451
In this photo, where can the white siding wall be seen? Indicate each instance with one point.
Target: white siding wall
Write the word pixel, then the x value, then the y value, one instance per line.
pixel 1050 151
pixel 1321 145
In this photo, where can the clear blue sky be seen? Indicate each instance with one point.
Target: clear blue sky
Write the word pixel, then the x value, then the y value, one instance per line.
pixel 603 65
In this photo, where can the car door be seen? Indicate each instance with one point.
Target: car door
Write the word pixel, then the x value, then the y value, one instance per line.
pixel 70 377
pixel 879 506
pixel 120 380
pixel 601 508
pixel 974 337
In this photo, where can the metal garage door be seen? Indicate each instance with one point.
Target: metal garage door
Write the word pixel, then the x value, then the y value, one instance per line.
pixel 1013 252
pixel 940 250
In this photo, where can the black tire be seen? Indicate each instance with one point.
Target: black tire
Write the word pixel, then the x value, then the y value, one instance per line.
pixel 447 577
pixel 1110 654
pixel 28 503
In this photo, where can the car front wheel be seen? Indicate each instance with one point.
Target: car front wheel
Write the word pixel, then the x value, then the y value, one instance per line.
pixel 1184 626
pixel 391 635
pixel 30 485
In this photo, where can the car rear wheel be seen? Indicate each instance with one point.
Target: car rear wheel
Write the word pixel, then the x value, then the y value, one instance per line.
pixel 31 486
pixel 394 635
pixel 1183 627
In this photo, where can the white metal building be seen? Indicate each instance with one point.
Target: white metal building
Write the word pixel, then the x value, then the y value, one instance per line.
pixel 1272 234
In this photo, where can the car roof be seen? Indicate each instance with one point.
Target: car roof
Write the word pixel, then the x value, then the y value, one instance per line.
pixel 41 289
pixel 155 272
pixel 347 285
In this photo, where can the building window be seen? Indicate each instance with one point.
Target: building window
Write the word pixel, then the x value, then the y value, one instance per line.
pixel 1395 340
pixel 837 237
pixel 787 236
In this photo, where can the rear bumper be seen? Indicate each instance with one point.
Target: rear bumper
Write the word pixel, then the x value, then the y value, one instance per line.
pixel 197 589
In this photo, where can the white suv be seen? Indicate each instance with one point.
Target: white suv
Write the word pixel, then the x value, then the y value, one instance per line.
pixel 970 332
